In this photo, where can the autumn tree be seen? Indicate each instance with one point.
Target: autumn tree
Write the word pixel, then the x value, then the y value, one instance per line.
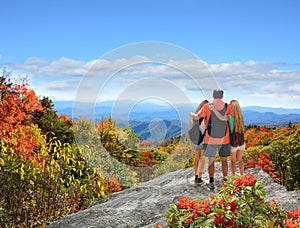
pixel 286 157
pixel 52 124
pixel 37 185
pixel 99 158
pixel 17 105
pixel 121 143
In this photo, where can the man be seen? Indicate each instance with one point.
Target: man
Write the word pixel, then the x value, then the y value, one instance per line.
pixel 217 137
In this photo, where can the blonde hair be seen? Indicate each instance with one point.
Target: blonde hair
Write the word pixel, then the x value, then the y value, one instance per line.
pixel 238 117
pixel 201 105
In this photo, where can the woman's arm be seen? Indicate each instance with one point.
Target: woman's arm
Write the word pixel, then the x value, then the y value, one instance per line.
pixel 194 116
pixel 191 123
pixel 218 114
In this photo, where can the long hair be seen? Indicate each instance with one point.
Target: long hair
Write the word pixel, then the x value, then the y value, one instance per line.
pixel 201 105
pixel 238 117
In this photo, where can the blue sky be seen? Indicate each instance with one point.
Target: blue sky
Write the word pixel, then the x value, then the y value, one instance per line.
pixel 250 48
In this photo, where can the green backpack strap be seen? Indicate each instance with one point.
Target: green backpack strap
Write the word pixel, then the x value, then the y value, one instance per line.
pixel 231 123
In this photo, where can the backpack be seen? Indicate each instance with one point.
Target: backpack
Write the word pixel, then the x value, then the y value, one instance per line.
pixel 217 128
pixel 195 134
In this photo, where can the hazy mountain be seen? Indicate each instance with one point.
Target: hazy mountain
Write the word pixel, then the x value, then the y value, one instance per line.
pixel 155 121
pixel 274 110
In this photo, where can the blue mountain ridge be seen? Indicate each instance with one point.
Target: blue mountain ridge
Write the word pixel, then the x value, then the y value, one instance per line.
pixel 171 119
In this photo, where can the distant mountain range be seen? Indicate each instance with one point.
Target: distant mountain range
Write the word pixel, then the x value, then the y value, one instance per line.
pixel 154 121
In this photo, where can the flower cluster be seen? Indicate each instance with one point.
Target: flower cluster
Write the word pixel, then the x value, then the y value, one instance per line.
pixel 294 220
pixel 245 180
pixel 240 203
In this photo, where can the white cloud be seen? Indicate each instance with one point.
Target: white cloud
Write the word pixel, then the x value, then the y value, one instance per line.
pixel 35 61
pixel 255 79
pixel 64 67
pixel 295 88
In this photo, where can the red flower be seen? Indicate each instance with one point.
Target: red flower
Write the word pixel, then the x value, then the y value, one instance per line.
pixel 218 219
pixel 205 208
pixel 290 224
pixel 274 203
pixel 294 214
pixel 245 180
pixel 158 225
pixel 228 223
pixel 183 202
pixel 233 206
pixel 221 202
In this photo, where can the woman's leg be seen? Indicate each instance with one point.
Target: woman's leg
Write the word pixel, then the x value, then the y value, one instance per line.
pixel 239 155
pixel 202 164
pixel 196 162
pixel 232 162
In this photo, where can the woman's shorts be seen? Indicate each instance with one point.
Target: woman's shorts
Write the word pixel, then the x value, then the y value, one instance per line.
pixel 198 147
pixel 235 149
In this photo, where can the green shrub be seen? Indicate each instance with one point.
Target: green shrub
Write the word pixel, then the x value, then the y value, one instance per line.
pixel 240 203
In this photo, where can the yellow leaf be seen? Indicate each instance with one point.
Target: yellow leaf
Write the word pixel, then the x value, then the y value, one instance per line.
pixel 31 182
pixel 2 162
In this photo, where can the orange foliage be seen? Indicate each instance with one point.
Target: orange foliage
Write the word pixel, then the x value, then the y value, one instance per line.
pixel 112 185
pixel 65 118
pixel 254 136
pixel 17 103
pixel 148 159
pixel 145 143
pixel 105 124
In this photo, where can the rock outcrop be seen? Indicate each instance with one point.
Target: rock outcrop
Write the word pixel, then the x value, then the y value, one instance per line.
pixel 146 204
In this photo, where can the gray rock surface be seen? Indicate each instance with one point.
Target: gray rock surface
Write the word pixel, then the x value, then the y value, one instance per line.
pixel 146 204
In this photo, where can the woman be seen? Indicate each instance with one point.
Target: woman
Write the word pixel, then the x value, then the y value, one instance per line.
pixel 199 161
pixel 237 140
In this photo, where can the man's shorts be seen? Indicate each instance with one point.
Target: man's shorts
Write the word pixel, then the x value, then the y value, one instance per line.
pixel 198 147
pixel 210 150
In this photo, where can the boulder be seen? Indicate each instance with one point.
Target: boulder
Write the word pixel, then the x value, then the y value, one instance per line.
pixel 146 204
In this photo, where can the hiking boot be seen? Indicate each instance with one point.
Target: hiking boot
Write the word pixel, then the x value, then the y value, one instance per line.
pixel 211 185
pixel 196 178
pixel 199 181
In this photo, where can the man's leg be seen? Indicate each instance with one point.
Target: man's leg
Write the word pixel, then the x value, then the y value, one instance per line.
pixel 210 152
pixel 211 169
pixel 224 166
pixel 224 152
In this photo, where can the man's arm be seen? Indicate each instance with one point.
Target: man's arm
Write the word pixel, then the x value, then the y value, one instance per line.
pixel 229 110
pixel 218 114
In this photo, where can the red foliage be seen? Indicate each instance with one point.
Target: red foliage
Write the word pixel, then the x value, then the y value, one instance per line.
pixel 17 103
pixel 205 206
pixel 294 214
pixel 245 180
pixel 294 220
pixel 263 161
